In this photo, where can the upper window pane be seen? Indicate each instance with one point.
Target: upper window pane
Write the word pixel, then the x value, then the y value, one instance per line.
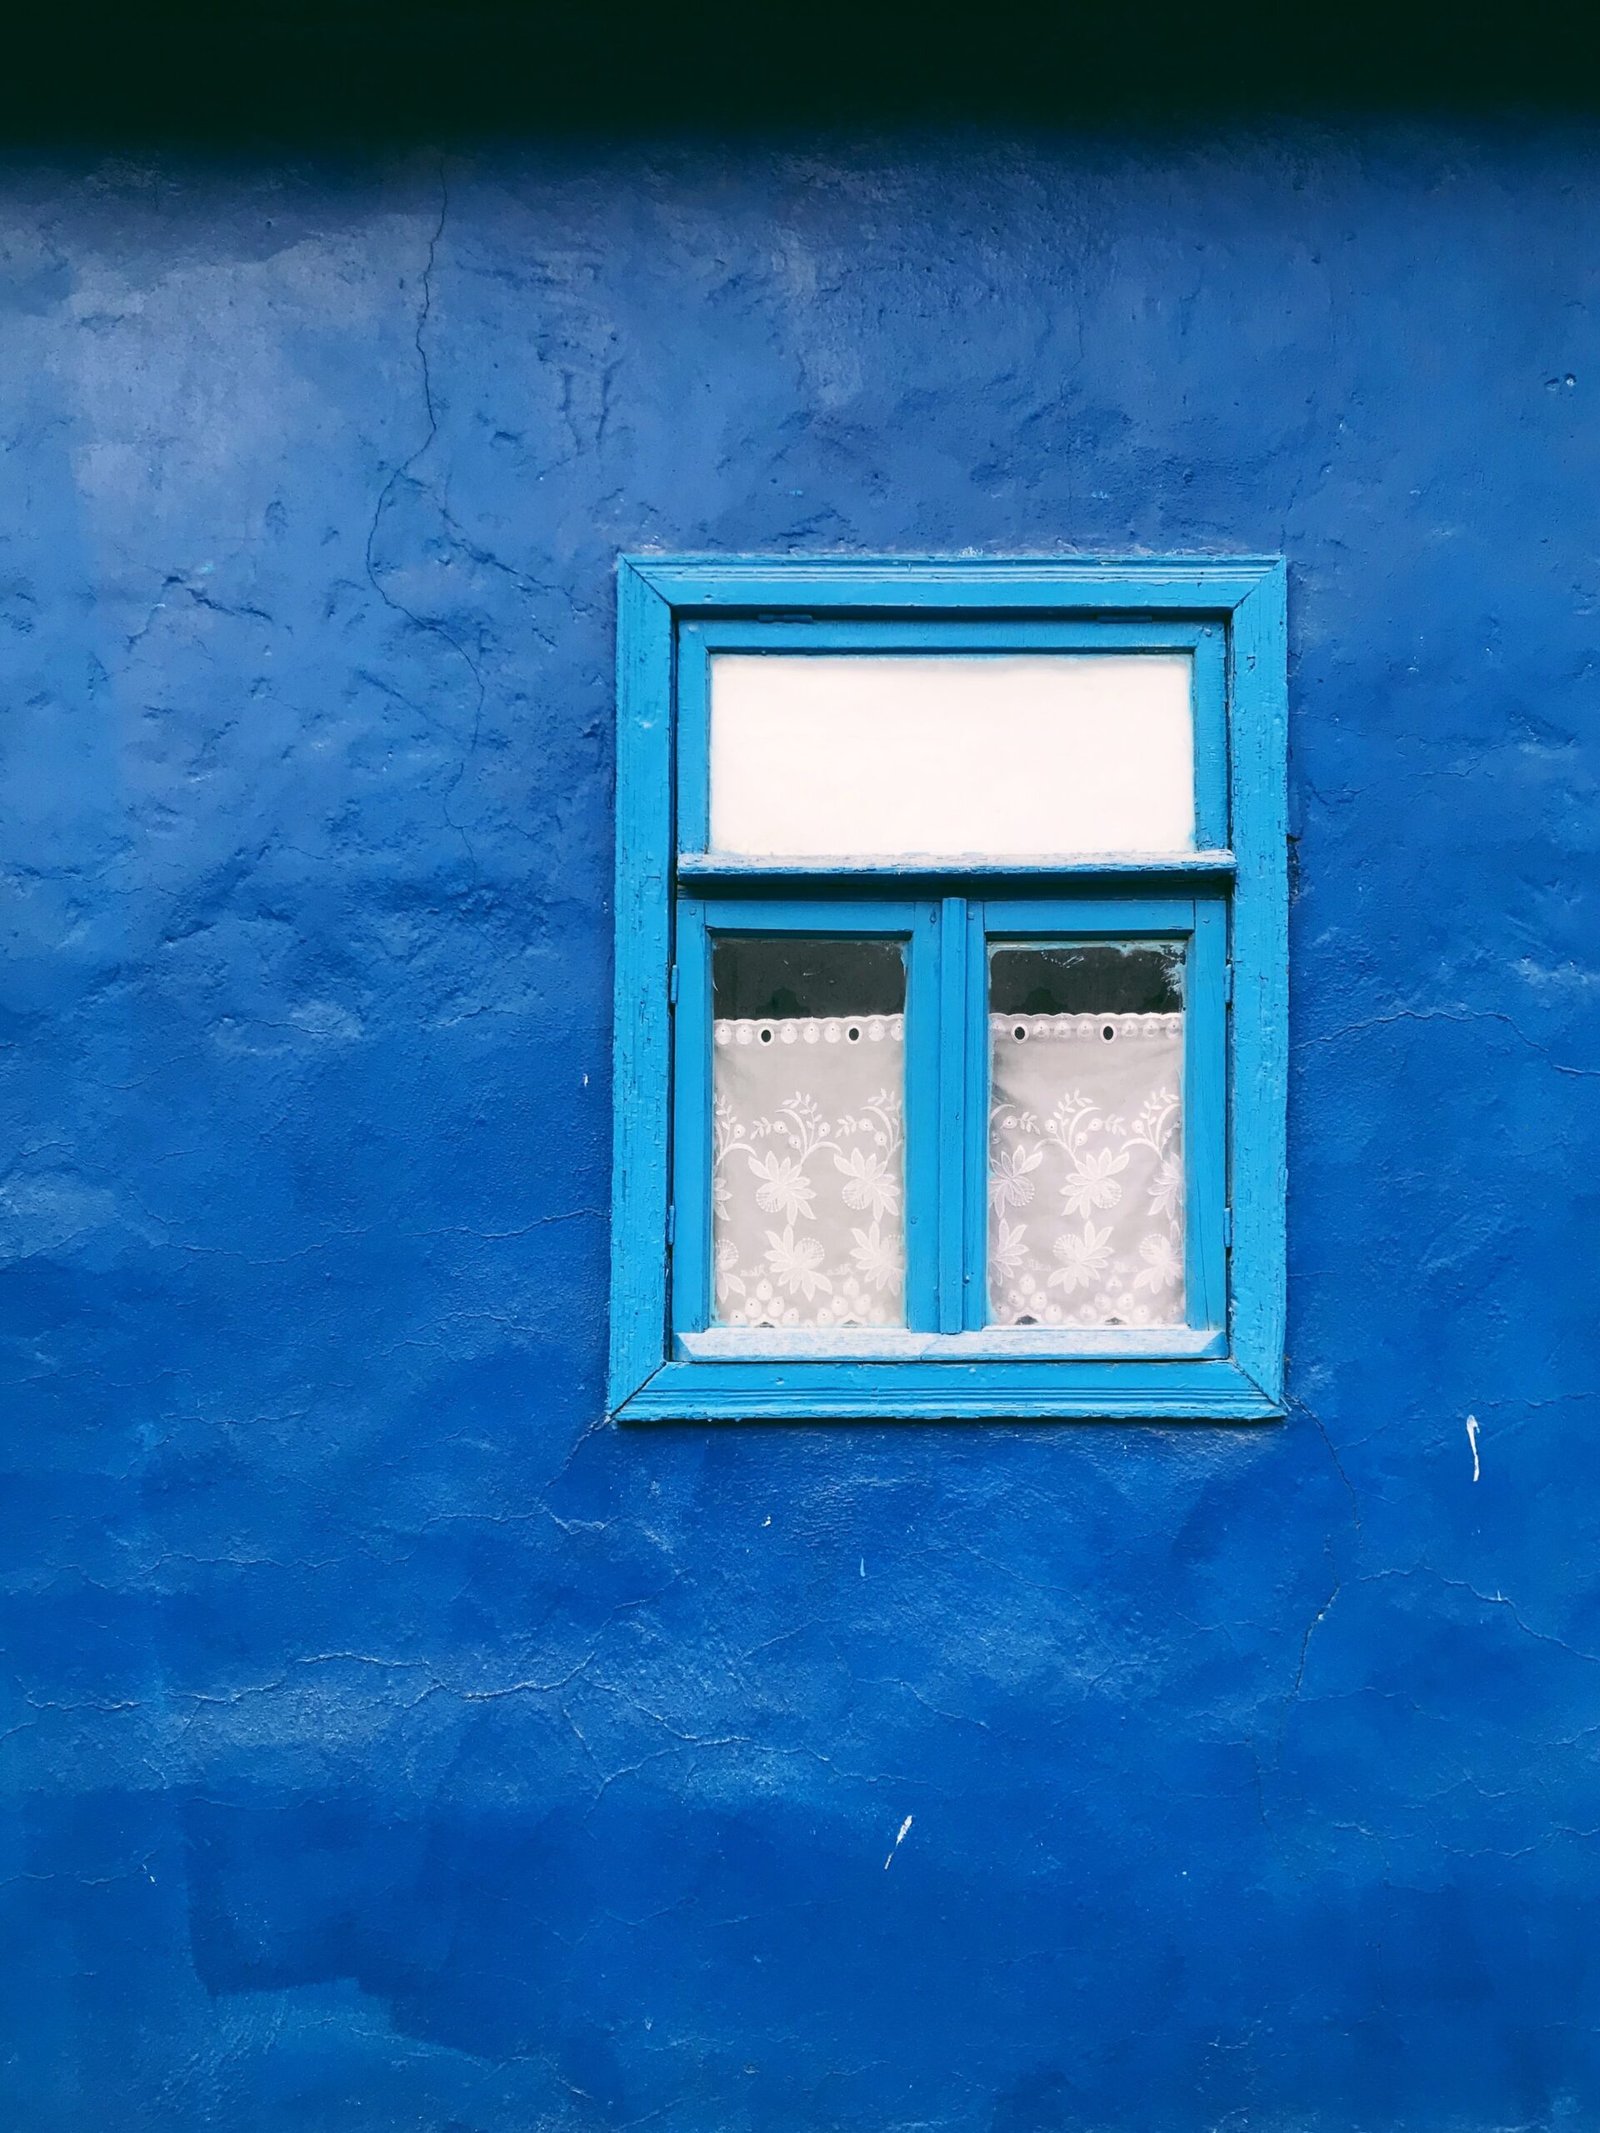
pixel 1009 756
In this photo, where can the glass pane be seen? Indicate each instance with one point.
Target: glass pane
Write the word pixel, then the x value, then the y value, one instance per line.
pixel 985 755
pixel 1086 1134
pixel 808 1144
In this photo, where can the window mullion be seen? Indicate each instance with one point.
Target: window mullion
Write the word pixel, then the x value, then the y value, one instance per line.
pixel 923 1023
pixel 953 992
pixel 975 1130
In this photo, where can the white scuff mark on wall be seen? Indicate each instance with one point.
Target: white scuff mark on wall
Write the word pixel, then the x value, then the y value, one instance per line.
pixel 900 1838
pixel 1472 1439
pixel 863 1566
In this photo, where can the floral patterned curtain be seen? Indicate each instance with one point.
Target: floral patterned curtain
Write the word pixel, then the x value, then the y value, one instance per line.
pixel 1085 1171
pixel 808 1183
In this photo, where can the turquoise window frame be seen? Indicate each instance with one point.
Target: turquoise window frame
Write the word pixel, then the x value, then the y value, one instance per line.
pixel 1228 902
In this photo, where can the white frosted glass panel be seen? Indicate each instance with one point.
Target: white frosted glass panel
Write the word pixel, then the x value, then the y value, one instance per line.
pixel 993 755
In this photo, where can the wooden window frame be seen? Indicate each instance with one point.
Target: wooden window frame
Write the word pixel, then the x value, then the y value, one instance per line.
pixel 1228 900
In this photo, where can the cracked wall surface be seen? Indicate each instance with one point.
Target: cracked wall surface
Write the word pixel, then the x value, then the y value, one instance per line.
pixel 387 1742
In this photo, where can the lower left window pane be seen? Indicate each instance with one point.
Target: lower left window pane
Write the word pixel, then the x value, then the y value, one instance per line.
pixel 808 1141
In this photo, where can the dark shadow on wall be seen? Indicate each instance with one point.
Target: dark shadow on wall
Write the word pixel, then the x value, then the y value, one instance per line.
pixel 382 70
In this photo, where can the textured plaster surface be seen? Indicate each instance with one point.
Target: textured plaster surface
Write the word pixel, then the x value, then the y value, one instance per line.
pixel 389 1743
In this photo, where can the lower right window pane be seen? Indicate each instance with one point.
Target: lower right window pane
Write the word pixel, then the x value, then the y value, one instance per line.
pixel 1086 1212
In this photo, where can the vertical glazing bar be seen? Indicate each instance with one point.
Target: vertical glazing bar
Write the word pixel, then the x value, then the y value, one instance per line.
pixel 691 1124
pixel 922 1122
pixel 975 1252
pixel 952 1111
pixel 1205 1117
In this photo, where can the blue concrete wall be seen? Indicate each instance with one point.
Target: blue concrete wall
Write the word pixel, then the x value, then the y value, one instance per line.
pixel 387 1742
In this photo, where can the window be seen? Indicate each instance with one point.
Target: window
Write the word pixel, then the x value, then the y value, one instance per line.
pixel 951 990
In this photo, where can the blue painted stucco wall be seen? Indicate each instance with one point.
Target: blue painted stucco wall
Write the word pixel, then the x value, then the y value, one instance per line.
pixel 388 1742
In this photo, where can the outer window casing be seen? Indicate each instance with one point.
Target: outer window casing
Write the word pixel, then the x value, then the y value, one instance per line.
pixel 1229 898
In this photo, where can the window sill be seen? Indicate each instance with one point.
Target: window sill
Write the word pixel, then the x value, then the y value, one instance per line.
pixel 1176 1389
pixel 877 1344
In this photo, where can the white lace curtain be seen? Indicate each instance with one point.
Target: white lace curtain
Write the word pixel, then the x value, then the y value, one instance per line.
pixel 1085 1177
pixel 1086 1170
pixel 808 1162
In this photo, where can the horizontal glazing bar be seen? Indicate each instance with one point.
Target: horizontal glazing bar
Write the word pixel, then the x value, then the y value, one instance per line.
pixel 716 866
